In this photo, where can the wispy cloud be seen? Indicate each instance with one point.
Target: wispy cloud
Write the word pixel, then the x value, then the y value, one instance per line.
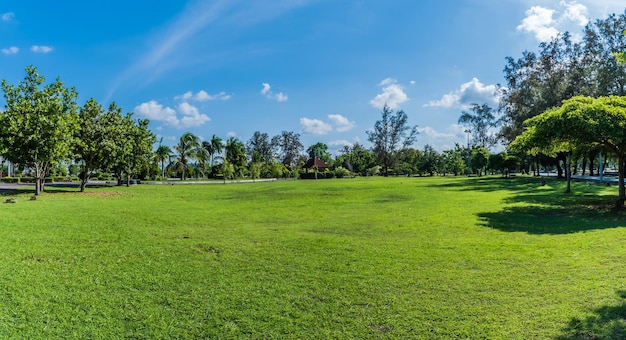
pixel 6 17
pixel 10 50
pixel 174 45
pixel 41 49
pixel 267 92
pixel 203 96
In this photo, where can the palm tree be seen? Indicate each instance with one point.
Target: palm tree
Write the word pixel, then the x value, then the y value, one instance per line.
pixel 216 147
pixel 236 154
pixel 161 154
pixel 187 149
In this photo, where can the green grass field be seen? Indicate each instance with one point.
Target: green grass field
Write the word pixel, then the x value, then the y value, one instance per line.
pixel 357 258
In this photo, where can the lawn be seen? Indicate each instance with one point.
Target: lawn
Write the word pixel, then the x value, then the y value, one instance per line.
pixel 402 258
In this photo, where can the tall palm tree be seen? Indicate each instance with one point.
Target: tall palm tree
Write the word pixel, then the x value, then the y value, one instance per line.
pixel 236 154
pixel 187 149
pixel 161 154
pixel 216 147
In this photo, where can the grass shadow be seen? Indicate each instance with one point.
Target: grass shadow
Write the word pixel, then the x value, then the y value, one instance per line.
pixel 51 188
pixel 552 220
pixel 537 209
pixel 607 322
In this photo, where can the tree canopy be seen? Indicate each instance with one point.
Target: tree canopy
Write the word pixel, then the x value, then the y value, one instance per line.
pixel 391 134
pixel 37 128
pixel 579 121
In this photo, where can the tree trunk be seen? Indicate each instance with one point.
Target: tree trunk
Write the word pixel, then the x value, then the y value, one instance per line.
pixel 568 172
pixel 37 186
pixel 622 191
pixel 83 181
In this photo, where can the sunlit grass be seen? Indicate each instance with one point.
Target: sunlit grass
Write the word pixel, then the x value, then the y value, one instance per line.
pixel 351 258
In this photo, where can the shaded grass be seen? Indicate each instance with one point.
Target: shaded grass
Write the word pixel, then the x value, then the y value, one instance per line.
pixel 355 258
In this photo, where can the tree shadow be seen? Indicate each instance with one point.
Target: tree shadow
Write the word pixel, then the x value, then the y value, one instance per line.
pixel 607 322
pixel 551 220
pixel 52 188
pixel 537 209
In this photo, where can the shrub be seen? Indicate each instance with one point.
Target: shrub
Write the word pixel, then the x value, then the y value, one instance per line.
pixel 341 172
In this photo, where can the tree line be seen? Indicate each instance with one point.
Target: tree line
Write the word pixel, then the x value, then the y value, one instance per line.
pixel 566 104
pixel 42 126
pixel 43 129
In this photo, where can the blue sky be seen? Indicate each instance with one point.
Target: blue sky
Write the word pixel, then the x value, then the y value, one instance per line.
pixel 322 68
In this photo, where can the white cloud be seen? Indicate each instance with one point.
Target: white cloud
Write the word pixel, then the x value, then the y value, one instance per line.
pixel 156 112
pixel 185 96
pixel 6 17
pixel 341 142
pixel 471 92
pixel 315 126
pixel 576 13
pixel 203 96
pixel 230 134
pixel 413 82
pixel 341 123
pixel 442 140
pixel 41 49
pixel 10 50
pixel 319 127
pixel 546 23
pixel 393 95
pixel 279 97
pixel 266 88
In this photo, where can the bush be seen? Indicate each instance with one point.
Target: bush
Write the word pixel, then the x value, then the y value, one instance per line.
pixel 341 172
pixel 11 179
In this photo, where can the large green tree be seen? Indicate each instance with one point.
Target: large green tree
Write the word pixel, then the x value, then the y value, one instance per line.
pixel 38 124
pixel 389 135
pixel 90 139
pixel 580 121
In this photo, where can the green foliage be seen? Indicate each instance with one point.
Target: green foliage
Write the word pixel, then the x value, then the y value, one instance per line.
pixel 391 134
pixel 341 172
pixel 37 127
pixel 320 150
pixel 480 120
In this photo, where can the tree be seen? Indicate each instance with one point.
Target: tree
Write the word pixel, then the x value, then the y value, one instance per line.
pixel 288 146
pixel 236 155
pixel 479 159
pixel 430 161
pixel 357 159
pixel 260 148
pixel 391 134
pixel 38 124
pixel 480 120
pixel 89 140
pixel 133 147
pixel 454 160
pixel 187 149
pixel 319 150
pixel 580 121
pixel 216 147
pixel 162 154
